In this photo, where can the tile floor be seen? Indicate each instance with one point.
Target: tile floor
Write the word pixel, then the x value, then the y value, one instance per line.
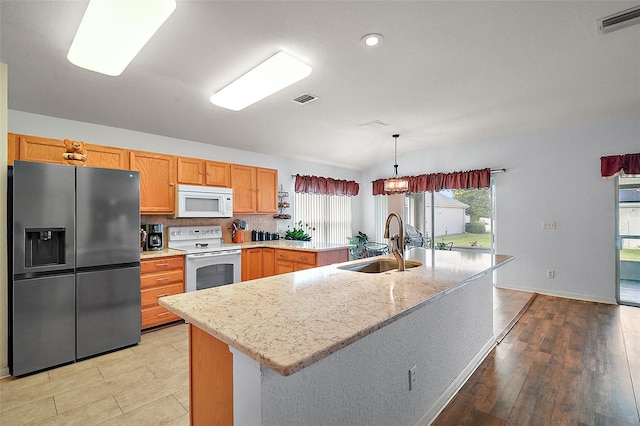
pixel 147 384
pixel 142 385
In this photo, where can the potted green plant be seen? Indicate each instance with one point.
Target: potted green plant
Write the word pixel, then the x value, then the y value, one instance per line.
pixel 359 241
pixel 298 232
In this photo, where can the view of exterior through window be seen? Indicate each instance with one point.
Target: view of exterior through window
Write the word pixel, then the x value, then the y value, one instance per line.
pixel 629 239
pixel 452 219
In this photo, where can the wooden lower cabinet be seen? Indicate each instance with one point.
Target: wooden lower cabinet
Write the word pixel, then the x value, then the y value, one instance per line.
pixel 265 262
pixel 160 276
pixel 268 262
pixel 251 263
pixel 294 260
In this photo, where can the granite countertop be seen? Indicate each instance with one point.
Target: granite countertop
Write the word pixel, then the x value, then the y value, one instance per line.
pixel 152 254
pixel 287 322
pixel 296 245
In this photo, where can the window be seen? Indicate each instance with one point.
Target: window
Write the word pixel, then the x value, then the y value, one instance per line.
pixel 330 215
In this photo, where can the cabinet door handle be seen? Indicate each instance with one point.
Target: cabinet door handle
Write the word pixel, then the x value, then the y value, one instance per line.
pixel 162 279
pixel 163 314
pixel 163 295
pixel 303 257
pixel 161 264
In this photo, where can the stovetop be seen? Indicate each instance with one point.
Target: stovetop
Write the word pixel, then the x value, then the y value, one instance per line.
pixel 198 239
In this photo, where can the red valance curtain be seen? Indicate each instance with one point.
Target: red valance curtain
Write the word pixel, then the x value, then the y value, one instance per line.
pixel 435 182
pixel 326 186
pixel 614 165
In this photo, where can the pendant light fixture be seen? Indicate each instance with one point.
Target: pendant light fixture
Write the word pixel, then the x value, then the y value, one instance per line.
pixel 395 184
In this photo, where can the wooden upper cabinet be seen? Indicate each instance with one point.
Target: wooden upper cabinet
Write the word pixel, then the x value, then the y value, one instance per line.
pixel 34 148
pixel 12 148
pixel 218 174
pixel 107 157
pixel 190 171
pixel 254 189
pixel 267 188
pixel 243 182
pixel 157 181
pixel 193 171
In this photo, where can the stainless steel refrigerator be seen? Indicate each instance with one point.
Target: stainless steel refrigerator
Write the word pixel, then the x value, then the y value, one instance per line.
pixel 74 267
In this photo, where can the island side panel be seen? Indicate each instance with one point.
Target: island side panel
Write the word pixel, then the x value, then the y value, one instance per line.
pixel 368 381
pixel 210 379
pixel 329 257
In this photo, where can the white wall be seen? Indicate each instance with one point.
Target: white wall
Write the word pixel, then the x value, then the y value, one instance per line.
pixel 551 175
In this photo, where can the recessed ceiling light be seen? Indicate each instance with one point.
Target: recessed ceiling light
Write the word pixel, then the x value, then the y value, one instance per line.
pixel 274 74
pixel 372 40
pixel 112 32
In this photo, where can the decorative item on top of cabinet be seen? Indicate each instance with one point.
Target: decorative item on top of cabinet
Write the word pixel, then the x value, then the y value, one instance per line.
pixel 254 189
pixel 75 153
pixel 157 181
pixel 160 276
pixel 282 205
pixel 194 171
pixel 47 150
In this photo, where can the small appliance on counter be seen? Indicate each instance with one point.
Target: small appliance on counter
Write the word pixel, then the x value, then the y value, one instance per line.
pixel 154 236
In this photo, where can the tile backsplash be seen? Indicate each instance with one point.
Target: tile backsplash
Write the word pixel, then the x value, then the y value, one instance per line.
pixel 260 222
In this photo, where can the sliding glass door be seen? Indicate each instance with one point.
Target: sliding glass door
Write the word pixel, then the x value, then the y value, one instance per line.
pixel 629 240
pixel 451 219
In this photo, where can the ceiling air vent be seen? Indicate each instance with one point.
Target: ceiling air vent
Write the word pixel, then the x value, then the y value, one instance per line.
pixel 373 125
pixel 305 99
pixel 619 20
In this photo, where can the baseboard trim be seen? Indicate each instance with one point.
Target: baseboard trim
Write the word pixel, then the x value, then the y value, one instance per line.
pixel 447 395
pixel 575 296
pixel 4 372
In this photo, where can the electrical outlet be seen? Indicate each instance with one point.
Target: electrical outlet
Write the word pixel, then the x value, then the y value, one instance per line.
pixel 549 224
pixel 550 273
pixel 412 378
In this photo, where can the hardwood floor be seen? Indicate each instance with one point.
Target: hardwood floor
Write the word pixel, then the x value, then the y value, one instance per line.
pixel 565 362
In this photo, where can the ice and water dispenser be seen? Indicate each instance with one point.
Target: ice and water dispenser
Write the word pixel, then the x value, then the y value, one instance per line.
pixel 44 246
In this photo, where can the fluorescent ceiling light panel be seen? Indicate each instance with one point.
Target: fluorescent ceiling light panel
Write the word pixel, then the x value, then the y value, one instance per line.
pixel 112 32
pixel 274 74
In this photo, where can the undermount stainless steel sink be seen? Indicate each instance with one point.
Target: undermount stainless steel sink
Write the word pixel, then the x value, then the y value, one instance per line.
pixel 378 266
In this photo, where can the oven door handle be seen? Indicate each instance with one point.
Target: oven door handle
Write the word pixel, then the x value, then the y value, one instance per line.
pixel 213 254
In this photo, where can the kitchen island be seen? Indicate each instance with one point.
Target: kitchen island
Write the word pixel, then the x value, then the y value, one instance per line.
pixel 333 346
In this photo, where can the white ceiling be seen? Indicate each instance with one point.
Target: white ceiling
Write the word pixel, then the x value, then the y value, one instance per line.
pixel 448 72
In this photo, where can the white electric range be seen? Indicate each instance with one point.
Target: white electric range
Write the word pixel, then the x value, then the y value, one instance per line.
pixel 209 262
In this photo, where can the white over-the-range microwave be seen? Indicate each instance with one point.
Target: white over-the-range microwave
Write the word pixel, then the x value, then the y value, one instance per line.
pixel 203 201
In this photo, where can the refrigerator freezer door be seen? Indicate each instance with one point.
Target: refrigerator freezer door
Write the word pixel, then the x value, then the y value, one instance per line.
pixel 43 217
pixel 108 308
pixel 108 216
pixel 43 324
